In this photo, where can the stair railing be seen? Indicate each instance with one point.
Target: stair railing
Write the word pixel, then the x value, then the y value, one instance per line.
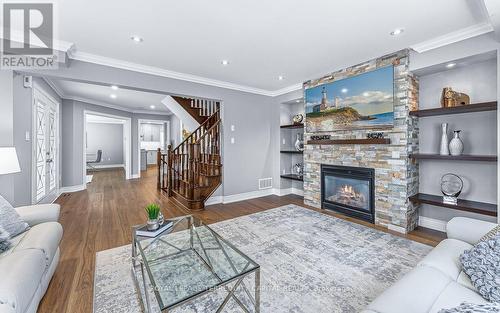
pixel 181 168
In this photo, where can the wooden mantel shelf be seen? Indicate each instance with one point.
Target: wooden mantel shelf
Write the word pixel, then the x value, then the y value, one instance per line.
pixel 462 205
pixel 366 141
pixel 463 157
pixel 473 107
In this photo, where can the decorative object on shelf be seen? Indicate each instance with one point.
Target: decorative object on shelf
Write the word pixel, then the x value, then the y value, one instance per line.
pixel 444 150
pixel 298 169
pixel 155 218
pixel 456 145
pixel 450 98
pixel 377 135
pixel 451 187
pixel 298 118
pixel 320 137
pixel 299 143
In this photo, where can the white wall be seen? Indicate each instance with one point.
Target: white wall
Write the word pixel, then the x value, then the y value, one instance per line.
pixel 6 128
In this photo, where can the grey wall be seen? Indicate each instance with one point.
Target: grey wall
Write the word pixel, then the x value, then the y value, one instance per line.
pixel 250 158
pixel 72 137
pixel 108 138
pixel 6 129
pixel 479 81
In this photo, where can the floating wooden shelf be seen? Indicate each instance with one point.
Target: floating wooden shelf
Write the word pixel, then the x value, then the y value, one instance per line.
pixel 293 177
pixel 366 141
pixel 473 107
pixel 462 205
pixel 292 152
pixel 463 157
pixel 300 125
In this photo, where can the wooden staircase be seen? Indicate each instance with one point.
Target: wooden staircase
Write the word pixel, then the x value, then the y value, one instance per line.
pixel 191 172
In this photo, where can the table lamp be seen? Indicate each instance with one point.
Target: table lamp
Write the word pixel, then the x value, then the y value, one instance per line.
pixel 9 163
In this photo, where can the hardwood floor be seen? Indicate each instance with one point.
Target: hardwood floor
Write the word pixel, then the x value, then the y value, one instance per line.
pixel 101 217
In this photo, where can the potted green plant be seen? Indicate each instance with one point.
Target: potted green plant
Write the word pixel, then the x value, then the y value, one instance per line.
pixel 155 219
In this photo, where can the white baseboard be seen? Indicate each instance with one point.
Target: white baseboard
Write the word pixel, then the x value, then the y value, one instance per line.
pixel 288 191
pixel 72 188
pixel 214 200
pixel 248 195
pixel 134 176
pixel 109 165
pixel 253 195
pixel 432 223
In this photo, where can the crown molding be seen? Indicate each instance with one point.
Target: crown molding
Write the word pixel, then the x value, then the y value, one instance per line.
pixel 62 95
pixel 125 65
pixel 456 36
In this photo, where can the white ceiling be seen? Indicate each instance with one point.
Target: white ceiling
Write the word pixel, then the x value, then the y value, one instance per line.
pixel 261 39
pixel 128 100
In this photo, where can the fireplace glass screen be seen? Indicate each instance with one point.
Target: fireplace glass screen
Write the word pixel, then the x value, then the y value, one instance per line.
pixel 348 191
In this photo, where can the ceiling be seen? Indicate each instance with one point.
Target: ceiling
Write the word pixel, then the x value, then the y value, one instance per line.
pixel 262 40
pixel 126 99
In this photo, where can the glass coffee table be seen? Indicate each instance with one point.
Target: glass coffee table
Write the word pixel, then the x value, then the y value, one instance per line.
pixel 188 261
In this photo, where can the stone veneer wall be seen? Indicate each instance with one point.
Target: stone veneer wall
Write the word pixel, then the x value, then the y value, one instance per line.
pixel 396 176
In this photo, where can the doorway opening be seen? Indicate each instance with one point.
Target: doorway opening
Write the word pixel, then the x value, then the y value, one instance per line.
pixel 107 144
pixel 153 135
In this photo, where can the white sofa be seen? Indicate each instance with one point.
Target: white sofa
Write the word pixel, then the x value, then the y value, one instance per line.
pixel 438 281
pixel 26 268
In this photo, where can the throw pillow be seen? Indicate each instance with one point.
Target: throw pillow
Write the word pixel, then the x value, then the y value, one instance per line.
pixel 482 264
pixel 10 220
pixel 492 233
pixel 474 308
pixel 4 240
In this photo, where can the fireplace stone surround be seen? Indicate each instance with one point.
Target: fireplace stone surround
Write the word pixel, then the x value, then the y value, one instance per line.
pixel 396 176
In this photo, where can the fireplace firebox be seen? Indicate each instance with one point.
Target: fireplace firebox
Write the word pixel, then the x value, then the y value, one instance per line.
pixel 349 190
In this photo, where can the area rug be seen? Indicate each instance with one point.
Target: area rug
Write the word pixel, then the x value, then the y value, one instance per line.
pixel 310 262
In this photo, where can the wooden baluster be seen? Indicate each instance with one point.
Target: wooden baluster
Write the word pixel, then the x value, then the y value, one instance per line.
pixel 169 170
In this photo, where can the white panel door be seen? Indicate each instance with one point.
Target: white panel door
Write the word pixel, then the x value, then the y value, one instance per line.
pixel 45 141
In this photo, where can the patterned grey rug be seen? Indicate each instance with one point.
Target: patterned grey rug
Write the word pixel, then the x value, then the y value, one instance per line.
pixel 310 262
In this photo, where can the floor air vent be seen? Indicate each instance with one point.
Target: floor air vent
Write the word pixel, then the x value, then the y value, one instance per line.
pixel 265 183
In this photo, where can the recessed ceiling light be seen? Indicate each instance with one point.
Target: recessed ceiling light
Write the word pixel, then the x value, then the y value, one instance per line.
pixel 112 96
pixel 397 31
pixel 281 77
pixel 114 87
pixel 344 90
pixel 224 62
pixel 152 107
pixel 450 65
pixel 137 39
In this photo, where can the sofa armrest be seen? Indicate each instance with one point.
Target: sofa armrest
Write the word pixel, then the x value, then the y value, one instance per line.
pixel 39 213
pixel 468 229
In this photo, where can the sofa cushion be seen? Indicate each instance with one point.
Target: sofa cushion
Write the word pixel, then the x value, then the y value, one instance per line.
pixel 453 295
pixel 43 237
pixel 416 292
pixel 10 220
pixel 22 272
pixel 445 257
pixel 482 264
pixel 39 213
pixel 476 308
pixel 5 243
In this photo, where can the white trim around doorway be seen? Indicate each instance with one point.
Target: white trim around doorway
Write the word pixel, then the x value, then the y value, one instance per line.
pixel 127 142
pixel 166 124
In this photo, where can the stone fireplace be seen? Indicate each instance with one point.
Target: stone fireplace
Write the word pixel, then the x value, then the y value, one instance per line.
pixel 349 190
pixel 395 176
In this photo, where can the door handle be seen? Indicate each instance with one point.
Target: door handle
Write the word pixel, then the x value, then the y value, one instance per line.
pixel 49 161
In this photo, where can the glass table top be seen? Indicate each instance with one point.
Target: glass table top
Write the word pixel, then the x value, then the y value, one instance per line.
pixel 189 259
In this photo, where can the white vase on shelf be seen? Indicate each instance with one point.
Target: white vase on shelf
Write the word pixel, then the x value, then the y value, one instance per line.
pixel 444 150
pixel 456 145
